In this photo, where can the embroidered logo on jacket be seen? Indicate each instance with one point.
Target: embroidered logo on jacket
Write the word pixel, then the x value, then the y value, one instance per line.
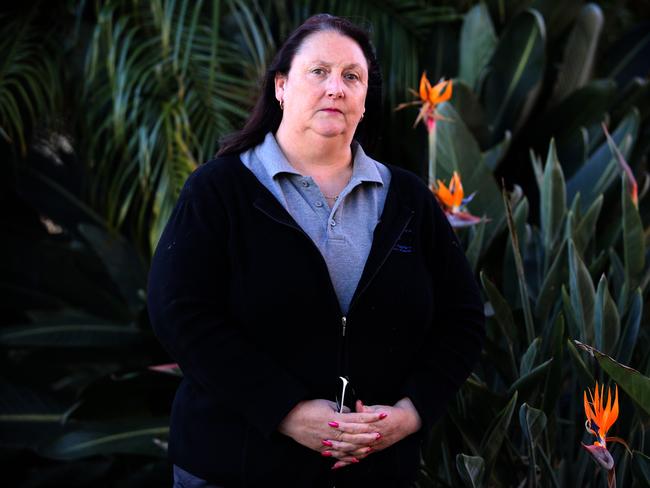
pixel 405 242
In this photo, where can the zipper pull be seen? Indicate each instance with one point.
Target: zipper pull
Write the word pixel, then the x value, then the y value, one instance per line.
pixel 343 323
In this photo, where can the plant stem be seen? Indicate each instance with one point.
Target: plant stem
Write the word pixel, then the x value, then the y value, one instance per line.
pixel 432 153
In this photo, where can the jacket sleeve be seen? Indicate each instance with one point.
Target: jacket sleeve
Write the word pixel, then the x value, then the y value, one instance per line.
pixel 454 342
pixel 188 306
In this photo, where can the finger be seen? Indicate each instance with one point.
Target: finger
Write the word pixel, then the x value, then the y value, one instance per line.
pixel 345 446
pixel 364 439
pixel 361 417
pixel 340 464
pixel 355 428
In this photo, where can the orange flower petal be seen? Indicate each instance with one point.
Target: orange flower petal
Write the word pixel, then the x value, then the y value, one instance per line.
pixel 456 188
pixel 444 195
pixel 436 95
pixel 425 86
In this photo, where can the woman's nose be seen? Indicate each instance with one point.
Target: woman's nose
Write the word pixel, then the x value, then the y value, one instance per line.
pixel 335 87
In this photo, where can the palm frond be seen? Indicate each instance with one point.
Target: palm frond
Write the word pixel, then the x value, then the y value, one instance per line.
pixel 30 88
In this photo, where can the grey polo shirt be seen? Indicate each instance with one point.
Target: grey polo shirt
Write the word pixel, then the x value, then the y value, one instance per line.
pixel 343 233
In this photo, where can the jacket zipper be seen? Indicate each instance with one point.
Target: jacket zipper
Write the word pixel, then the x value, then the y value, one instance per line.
pixel 343 356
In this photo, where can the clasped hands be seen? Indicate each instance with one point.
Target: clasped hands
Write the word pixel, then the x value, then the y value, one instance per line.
pixel 349 437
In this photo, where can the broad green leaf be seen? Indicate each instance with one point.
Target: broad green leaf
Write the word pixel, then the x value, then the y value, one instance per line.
pixel 495 154
pixel 532 422
pixel 553 387
pixel 122 264
pixel 573 327
pixel 531 379
pixel 519 265
pixel 510 278
pixel 495 435
pixel 636 385
pixel 471 470
pixel 457 150
pixel 607 324
pixel 583 295
pixel 633 239
pixel 502 311
pixel 473 252
pixel 586 228
pixel 552 199
pixel 71 335
pixel 551 286
pixel 477 42
pixel 579 52
pixel 515 73
pixel 468 106
pixel 601 169
pixel 82 439
pixel 581 368
pixel 641 467
pixel 631 330
pixel 529 357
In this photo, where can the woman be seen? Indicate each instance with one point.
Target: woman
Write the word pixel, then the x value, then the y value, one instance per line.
pixel 293 260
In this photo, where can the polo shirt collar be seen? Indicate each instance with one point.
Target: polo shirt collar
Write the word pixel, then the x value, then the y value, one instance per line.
pixel 364 168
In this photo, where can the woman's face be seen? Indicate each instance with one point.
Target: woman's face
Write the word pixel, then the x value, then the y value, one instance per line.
pixel 325 89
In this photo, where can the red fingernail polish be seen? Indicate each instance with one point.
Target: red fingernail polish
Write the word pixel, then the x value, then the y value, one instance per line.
pixel 326 454
pixel 383 415
pixel 355 460
pixel 377 436
pixel 333 424
pixel 327 443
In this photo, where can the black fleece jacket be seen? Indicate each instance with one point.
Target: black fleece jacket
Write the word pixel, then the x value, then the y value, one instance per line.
pixel 241 297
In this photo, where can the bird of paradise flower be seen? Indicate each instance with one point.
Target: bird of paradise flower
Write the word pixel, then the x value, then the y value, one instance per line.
pixel 600 418
pixel 451 198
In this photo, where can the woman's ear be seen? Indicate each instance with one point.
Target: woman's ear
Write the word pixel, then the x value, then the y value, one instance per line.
pixel 280 82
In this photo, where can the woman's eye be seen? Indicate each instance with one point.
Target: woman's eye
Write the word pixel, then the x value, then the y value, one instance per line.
pixel 352 76
pixel 318 71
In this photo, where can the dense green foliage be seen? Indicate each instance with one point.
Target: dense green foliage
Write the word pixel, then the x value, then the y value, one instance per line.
pixel 106 107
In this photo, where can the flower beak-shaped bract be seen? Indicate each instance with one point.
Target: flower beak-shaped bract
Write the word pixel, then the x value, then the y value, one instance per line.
pixel 430 98
pixel 453 203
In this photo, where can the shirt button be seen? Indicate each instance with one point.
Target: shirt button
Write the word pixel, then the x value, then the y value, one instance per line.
pixel 305 183
pixel 333 222
pixel 319 204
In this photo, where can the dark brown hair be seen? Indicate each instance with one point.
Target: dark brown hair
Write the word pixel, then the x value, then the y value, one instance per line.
pixel 266 115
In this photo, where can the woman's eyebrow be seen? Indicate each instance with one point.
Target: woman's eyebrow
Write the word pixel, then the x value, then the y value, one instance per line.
pixel 328 64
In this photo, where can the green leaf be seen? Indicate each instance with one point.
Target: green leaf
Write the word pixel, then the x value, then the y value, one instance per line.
pixel 552 199
pixel 495 435
pixel 586 228
pixel 607 324
pixel 122 264
pixel 515 73
pixel 633 238
pixel 551 286
pixel 583 371
pixel 473 253
pixel 583 295
pixel 533 422
pixel 636 385
pixel 477 43
pixel 553 387
pixel 579 52
pixel 82 439
pixel 531 379
pixel 457 150
pixel 495 154
pixel 599 172
pixel 641 467
pixel 631 330
pixel 80 335
pixel 529 357
pixel 523 290
pixel 471 470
